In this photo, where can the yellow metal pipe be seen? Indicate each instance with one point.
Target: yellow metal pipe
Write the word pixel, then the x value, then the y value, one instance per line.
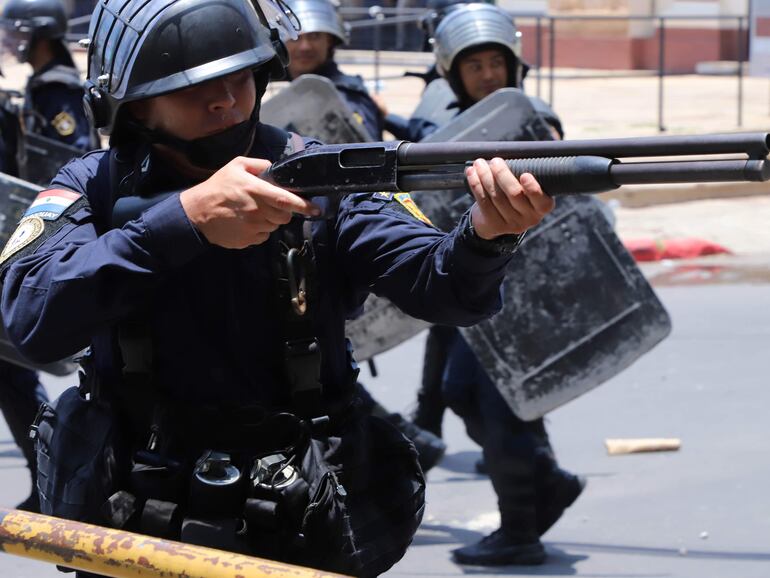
pixel 126 555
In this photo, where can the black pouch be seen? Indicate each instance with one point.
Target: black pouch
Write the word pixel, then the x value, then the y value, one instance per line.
pixel 385 487
pixel 76 443
pixel 325 524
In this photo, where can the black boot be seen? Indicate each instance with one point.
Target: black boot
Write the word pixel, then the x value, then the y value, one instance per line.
pixel 502 548
pixel 556 493
pixel 31 504
pixel 429 447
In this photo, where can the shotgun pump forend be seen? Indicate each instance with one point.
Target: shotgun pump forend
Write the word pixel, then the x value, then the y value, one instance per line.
pixel 561 167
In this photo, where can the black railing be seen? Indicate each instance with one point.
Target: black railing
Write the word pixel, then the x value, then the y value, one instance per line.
pixel 379 18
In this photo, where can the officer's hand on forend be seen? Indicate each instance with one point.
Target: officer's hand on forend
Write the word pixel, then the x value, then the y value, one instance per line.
pixel 504 205
pixel 234 208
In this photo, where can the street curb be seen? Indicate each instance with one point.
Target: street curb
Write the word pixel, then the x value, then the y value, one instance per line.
pixel 637 196
pixel 710 270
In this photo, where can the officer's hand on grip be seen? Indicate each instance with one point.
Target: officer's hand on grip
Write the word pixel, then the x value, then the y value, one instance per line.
pixel 234 208
pixel 504 204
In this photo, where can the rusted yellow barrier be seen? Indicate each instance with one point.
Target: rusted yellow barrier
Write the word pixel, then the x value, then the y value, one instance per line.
pixel 126 555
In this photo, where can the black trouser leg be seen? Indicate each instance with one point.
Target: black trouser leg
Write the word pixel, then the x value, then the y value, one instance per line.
pixel 511 447
pixel 430 400
pixel 21 394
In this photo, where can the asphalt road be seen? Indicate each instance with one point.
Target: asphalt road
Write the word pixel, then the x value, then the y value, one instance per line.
pixel 699 512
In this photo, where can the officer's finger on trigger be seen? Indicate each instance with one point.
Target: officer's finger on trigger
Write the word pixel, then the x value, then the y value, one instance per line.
pixel 283 200
pixel 255 166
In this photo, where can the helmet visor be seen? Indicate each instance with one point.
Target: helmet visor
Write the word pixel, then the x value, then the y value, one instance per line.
pixel 15 41
pixel 279 17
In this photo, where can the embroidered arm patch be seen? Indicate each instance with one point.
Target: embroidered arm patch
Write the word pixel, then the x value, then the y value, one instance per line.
pixel 406 201
pixel 45 216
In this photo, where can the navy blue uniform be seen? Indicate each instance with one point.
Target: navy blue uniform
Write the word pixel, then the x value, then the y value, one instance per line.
pixel 354 93
pixel 214 321
pixel 53 104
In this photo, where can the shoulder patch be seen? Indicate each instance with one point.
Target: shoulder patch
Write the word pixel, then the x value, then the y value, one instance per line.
pixel 406 201
pixel 64 123
pixel 50 204
pixel 382 196
pixel 358 118
pixel 29 229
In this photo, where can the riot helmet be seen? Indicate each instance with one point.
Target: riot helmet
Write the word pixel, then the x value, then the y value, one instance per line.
pixel 437 11
pixel 139 50
pixel 24 22
pixel 320 16
pixel 471 27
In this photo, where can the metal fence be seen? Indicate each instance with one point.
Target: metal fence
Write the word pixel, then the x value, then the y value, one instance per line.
pixel 397 28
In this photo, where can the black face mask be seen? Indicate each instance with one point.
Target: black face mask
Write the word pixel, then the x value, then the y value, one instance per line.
pixel 216 150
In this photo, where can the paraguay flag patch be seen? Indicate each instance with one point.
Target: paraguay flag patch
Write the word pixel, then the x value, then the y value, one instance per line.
pixel 50 204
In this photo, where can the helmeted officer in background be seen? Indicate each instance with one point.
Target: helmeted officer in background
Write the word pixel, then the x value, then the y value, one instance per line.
pixel 10 129
pixel 478 52
pixel 222 407
pixel 33 32
pixel 313 53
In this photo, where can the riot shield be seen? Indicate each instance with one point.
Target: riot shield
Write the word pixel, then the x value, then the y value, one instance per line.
pixel 40 158
pixel 311 106
pixel 436 103
pixel 504 115
pixel 577 309
pixel 577 312
pixel 381 327
pixel 15 196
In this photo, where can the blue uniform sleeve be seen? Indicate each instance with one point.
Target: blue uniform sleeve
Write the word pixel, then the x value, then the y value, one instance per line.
pixel 428 274
pixel 62 109
pixel 412 129
pixel 77 282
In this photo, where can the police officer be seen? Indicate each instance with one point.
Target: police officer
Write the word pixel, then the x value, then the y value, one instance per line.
pixel 33 31
pixel 216 316
pixel 478 52
pixel 21 392
pixel 313 53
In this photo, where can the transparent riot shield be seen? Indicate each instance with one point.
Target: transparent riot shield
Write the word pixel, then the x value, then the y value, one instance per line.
pixel 15 196
pixel 40 158
pixel 436 103
pixel 311 106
